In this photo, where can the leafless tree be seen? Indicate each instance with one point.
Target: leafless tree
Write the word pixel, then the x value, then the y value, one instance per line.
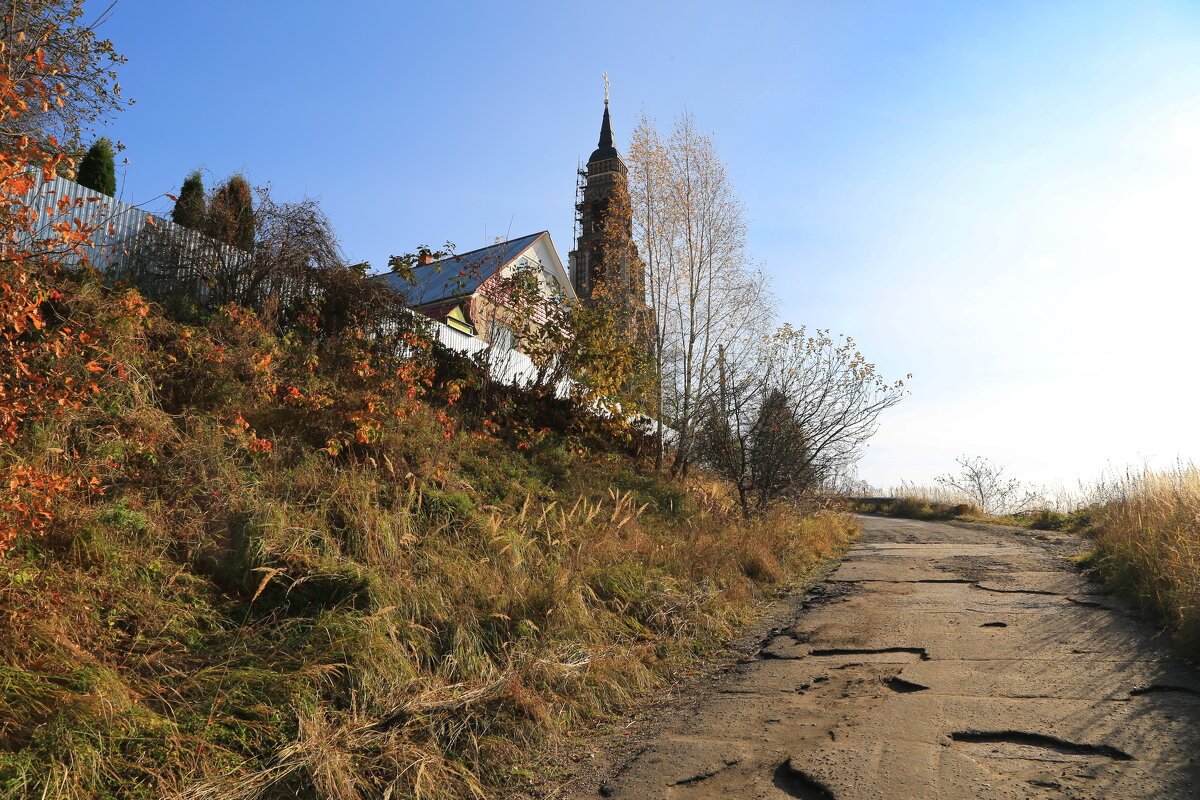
pixel 987 486
pixel 295 273
pixel 847 482
pixel 293 242
pixel 791 414
pixel 835 393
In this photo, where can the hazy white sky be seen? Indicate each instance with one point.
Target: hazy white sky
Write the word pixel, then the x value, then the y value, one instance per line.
pixel 1049 310
pixel 1037 266
pixel 1001 198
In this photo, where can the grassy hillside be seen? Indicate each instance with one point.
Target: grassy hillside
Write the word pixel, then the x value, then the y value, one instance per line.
pixel 309 568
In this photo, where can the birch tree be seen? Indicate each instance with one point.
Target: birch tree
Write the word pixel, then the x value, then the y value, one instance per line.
pixel 649 173
pixel 689 227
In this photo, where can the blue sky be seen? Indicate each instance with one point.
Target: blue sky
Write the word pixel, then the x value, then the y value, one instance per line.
pixel 1001 198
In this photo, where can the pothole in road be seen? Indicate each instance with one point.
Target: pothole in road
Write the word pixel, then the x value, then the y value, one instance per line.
pixel 1027 746
pixel 994 625
pixel 708 773
pixel 1162 688
pixel 918 652
pixel 967 581
pixel 1017 591
pixel 798 784
pixel 901 686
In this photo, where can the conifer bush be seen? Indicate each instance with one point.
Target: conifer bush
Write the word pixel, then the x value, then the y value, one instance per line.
pixel 231 214
pixel 96 170
pixel 190 209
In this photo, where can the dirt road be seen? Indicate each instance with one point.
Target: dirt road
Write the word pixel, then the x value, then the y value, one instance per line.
pixel 941 662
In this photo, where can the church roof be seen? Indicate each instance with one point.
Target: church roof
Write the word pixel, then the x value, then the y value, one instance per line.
pixel 604 149
pixel 461 274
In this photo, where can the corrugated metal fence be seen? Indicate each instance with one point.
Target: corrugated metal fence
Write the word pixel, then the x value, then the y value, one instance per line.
pixel 118 226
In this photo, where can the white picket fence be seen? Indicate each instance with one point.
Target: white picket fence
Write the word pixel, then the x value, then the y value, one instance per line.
pixel 504 363
pixel 510 366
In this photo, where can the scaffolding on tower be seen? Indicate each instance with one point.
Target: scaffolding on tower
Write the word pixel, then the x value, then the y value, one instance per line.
pixel 580 183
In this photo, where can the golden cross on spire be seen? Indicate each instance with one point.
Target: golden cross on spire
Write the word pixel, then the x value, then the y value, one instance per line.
pixel 605 76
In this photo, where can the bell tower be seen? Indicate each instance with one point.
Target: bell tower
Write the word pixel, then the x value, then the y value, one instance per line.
pixel 605 255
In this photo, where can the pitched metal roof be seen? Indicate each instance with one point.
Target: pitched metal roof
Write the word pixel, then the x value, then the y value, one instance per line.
pixel 461 274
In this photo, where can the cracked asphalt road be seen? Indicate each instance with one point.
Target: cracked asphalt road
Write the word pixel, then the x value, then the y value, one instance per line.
pixel 944 663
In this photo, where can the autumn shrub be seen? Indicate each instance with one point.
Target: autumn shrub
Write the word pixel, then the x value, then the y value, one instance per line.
pixel 55 76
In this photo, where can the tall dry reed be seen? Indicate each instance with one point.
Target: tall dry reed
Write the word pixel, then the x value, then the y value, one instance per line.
pixel 1148 542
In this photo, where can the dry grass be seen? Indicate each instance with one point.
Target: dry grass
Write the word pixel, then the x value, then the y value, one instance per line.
pixel 1059 510
pixel 926 493
pixel 1148 544
pixel 421 647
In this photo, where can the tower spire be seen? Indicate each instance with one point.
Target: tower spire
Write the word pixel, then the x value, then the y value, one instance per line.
pixel 605 142
pixel 604 148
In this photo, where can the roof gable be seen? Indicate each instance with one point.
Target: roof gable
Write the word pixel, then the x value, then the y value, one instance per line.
pixel 461 274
